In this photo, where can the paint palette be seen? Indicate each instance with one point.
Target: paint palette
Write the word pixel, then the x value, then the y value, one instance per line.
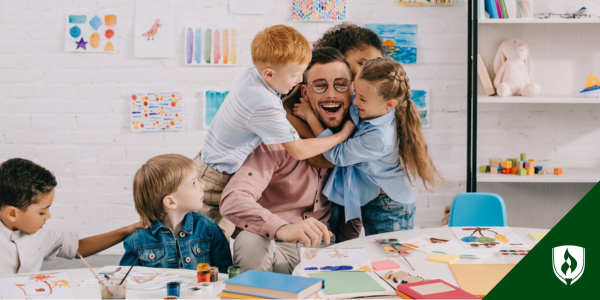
pixel 513 252
pixel 391 247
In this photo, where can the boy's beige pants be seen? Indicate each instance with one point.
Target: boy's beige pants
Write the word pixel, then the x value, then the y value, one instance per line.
pixel 214 183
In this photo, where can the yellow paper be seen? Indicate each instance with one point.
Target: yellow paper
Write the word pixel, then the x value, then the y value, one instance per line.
pixel 479 280
pixel 536 236
pixel 443 258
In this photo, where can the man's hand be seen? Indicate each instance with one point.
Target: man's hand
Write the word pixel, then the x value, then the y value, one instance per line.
pixel 319 162
pixel 309 231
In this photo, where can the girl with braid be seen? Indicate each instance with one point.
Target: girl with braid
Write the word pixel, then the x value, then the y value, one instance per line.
pixel 376 166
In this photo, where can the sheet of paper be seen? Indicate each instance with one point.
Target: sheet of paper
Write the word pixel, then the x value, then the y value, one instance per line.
pixel 451 246
pixel 434 288
pixel 425 2
pixel 421 98
pixel 322 10
pixel 254 7
pixel 479 280
pixel 211 46
pixel 156 112
pixel 154 35
pixel 42 286
pixel 91 33
pixel 399 41
pixel 213 99
pixel 147 279
pixel 335 259
pixel 343 282
pixel 487 237
pixel 387 264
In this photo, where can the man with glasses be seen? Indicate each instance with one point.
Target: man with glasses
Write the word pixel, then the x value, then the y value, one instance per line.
pixel 274 200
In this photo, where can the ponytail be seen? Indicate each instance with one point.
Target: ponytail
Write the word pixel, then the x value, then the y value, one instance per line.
pixel 391 82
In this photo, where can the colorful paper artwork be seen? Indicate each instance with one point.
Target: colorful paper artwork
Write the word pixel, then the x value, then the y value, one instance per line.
pixel 212 102
pixel 335 259
pixel 153 112
pixel 421 100
pixel 42 286
pixel 146 279
pixel 487 237
pixel 154 29
pixel 399 41
pixel 424 2
pixel 91 33
pixel 318 10
pixel 433 245
pixel 205 46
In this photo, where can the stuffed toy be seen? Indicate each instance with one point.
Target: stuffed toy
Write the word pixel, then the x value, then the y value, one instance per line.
pixel 513 69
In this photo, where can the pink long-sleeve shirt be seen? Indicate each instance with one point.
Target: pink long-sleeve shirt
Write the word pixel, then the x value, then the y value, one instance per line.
pixel 272 189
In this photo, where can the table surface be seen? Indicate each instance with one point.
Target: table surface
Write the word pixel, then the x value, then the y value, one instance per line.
pixel 424 268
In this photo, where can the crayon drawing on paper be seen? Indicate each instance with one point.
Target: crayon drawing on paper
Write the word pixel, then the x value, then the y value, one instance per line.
pixel 154 34
pixel 91 33
pixel 154 112
pixel 318 10
pixel 335 259
pixel 421 100
pixel 205 46
pixel 424 2
pixel 42 286
pixel 212 102
pixel 399 41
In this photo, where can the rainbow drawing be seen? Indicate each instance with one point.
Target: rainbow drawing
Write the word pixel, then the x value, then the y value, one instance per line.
pixel 206 46
pixel 319 10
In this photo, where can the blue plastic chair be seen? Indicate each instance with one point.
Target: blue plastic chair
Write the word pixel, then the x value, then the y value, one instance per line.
pixel 477 209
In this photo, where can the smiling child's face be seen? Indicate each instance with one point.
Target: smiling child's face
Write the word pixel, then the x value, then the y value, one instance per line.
pixel 34 217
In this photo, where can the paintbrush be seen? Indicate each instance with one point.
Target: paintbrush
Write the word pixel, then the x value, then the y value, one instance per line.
pixel 406 260
pixel 85 262
pixel 136 260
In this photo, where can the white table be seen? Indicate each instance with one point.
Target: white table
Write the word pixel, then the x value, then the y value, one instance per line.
pixel 428 269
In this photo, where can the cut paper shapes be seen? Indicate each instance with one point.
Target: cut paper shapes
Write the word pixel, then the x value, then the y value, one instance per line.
pixel 48 286
pixel 421 100
pixel 154 35
pixel 424 2
pixel 399 41
pixel 155 112
pixel 87 33
pixel 212 102
pixel 335 259
pixel 206 46
pixel 487 237
pixel 318 10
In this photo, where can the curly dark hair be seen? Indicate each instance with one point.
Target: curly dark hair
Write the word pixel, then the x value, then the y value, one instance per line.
pixel 347 36
pixel 21 181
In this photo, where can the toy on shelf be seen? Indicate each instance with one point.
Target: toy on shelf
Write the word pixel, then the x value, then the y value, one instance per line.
pixel 516 166
pixel 592 87
pixel 513 69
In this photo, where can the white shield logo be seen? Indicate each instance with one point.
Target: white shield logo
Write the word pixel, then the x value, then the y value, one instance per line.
pixel 568 263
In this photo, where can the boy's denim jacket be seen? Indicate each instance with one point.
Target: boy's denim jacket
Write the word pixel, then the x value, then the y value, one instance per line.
pixel 200 241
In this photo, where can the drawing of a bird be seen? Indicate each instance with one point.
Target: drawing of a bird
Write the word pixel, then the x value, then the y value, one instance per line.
pixel 152 32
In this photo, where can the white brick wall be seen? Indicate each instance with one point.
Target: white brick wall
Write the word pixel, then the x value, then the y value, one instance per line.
pixel 69 113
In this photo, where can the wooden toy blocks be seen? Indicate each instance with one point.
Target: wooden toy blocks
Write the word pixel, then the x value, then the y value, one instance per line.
pixel 495 162
pixel 523 156
pixel 557 171
pixel 522 172
pixel 507 164
pixel 530 171
pixel 494 170
pixel 514 170
pixel 483 169
pixel 542 172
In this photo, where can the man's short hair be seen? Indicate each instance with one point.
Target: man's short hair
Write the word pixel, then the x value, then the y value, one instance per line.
pixel 22 181
pixel 325 55
pixel 159 177
pixel 279 45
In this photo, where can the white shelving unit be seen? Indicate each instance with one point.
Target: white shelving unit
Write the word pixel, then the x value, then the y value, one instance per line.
pixel 553 20
pixel 571 175
pixel 542 99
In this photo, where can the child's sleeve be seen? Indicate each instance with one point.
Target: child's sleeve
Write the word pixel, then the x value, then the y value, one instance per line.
pixel 369 146
pixel 62 244
pixel 220 252
pixel 270 123
pixel 130 255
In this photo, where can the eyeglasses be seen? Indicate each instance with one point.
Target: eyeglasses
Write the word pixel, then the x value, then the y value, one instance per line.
pixel 341 85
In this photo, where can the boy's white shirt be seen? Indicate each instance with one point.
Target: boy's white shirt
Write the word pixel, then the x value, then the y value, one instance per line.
pixel 33 249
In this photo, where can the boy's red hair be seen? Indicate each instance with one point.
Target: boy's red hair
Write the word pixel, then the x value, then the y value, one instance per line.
pixel 279 45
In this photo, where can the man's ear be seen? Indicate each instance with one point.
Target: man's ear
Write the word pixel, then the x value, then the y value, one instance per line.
pixel 391 104
pixel 268 73
pixel 169 202
pixel 303 91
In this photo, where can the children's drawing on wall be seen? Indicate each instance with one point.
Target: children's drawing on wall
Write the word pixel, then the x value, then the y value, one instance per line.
pixel 154 29
pixel 421 100
pixel 424 2
pixel 399 41
pixel 206 46
pixel 51 286
pixel 91 33
pixel 487 237
pixel 335 259
pixel 213 100
pixel 154 112
pixel 318 10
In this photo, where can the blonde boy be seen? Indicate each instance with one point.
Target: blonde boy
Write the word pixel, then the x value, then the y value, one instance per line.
pixel 26 194
pixel 167 194
pixel 253 113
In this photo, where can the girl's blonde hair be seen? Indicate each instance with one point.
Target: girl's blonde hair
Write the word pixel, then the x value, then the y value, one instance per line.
pixel 390 82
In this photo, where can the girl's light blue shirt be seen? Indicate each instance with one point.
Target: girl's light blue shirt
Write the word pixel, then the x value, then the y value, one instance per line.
pixel 366 162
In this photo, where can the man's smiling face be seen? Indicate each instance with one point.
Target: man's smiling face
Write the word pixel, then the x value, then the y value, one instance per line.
pixel 331 106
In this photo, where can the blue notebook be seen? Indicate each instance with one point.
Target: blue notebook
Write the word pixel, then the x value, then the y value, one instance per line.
pixel 273 285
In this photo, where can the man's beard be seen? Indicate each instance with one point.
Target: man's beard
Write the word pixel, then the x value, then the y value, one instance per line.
pixel 332 123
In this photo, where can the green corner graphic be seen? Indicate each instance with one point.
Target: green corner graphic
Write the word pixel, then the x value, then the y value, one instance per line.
pixel 537 275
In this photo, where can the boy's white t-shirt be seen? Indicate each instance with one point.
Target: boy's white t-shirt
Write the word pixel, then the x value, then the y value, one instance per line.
pixel 33 249
pixel 251 113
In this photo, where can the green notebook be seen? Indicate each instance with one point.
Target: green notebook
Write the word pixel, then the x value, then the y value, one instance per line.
pixel 342 282
pixel 503 9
